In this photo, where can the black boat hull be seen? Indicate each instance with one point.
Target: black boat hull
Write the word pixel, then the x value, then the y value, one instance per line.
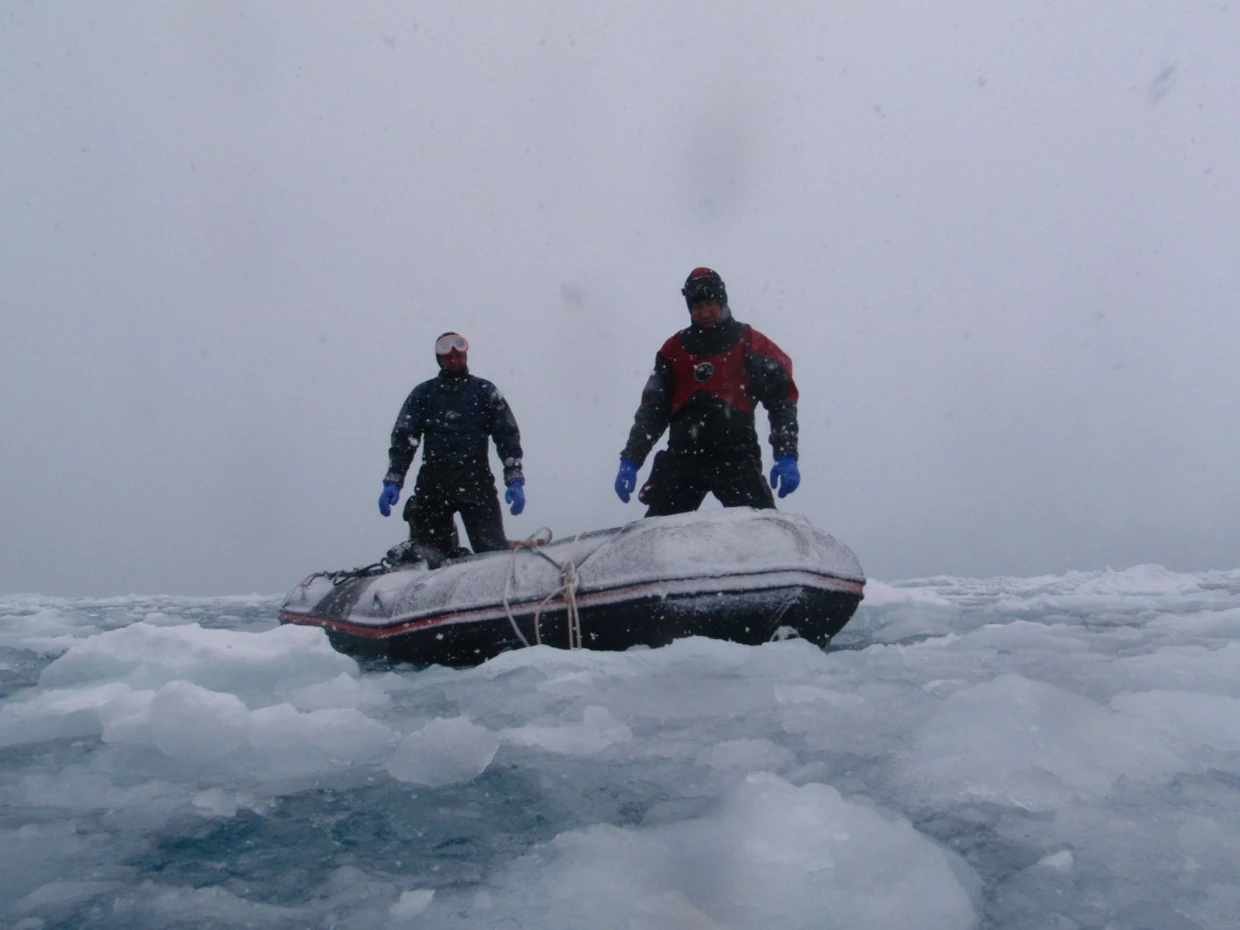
pixel 746 617
pixel 741 575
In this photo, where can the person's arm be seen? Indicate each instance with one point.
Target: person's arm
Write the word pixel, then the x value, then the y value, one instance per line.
pixel 507 436
pixel 652 415
pixel 406 435
pixel 770 378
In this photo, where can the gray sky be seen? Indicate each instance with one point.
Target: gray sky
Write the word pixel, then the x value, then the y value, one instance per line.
pixel 998 240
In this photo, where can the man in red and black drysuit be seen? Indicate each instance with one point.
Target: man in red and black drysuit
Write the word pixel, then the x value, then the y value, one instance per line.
pixel 706 382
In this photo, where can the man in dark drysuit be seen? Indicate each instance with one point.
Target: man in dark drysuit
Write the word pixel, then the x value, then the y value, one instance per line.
pixel 455 413
pixel 706 381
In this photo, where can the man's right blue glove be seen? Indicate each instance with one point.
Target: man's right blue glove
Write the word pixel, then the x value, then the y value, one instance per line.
pixel 389 497
pixel 626 480
pixel 515 495
pixel 785 475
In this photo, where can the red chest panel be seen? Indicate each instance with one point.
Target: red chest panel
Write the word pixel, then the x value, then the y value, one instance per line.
pixel 722 375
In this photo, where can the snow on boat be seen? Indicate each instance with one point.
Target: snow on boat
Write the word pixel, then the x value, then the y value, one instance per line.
pixel 739 574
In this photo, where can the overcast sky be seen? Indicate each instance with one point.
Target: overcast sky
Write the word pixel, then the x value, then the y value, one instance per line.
pixel 999 241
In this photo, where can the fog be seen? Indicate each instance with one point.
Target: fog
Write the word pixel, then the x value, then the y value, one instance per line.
pixel 998 241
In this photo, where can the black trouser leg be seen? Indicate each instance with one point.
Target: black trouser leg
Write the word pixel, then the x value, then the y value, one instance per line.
pixel 469 491
pixel 478 503
pixel 740 483
pixel 430 516
pixel 675 485
pixel 679 483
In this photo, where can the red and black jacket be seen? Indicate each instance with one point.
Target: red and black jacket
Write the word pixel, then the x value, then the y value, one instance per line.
pixel 704 387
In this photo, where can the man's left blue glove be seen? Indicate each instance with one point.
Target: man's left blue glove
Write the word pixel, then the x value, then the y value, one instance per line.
pixel 389 497
pixel 785 475
pixel 515 495
pixel 626 480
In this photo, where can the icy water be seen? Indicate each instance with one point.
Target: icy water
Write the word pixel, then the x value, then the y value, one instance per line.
pixel 1055 752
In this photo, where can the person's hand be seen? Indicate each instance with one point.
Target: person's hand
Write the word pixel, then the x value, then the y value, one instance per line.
pixel 515 495
pixel 389 497
pixel 785 475
pixel 626 480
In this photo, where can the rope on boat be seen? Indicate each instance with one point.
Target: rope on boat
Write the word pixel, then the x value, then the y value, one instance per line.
pixel 569 582
pixel 534 541
pixel 568 590
pixel 338 578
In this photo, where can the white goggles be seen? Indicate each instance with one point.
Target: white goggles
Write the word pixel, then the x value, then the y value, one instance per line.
pixel 445 344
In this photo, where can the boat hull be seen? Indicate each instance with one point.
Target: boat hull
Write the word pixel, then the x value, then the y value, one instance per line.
pixel 747 617
pixel 612 590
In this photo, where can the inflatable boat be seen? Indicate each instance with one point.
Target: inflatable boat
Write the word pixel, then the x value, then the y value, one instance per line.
pixel 738 574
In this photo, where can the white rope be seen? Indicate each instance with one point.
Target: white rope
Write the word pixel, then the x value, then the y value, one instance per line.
pixel 533 541
pixel 508 610
pixel 569 582
pixel 567 590
pixel 573 617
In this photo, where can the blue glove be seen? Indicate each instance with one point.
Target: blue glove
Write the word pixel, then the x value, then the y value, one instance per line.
pixel 626 480
pixel 389 497
pixel 515 495
pixel 785 475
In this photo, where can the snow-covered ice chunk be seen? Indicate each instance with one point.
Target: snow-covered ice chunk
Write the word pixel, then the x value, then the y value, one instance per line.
pixel 1030 744
pixel 192 724
pixel 146 656
pixel 771 855
pixel 443 752
pixel 598 730
pixel 411 904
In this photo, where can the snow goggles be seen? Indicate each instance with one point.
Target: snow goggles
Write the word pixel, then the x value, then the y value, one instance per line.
pixel 446 343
